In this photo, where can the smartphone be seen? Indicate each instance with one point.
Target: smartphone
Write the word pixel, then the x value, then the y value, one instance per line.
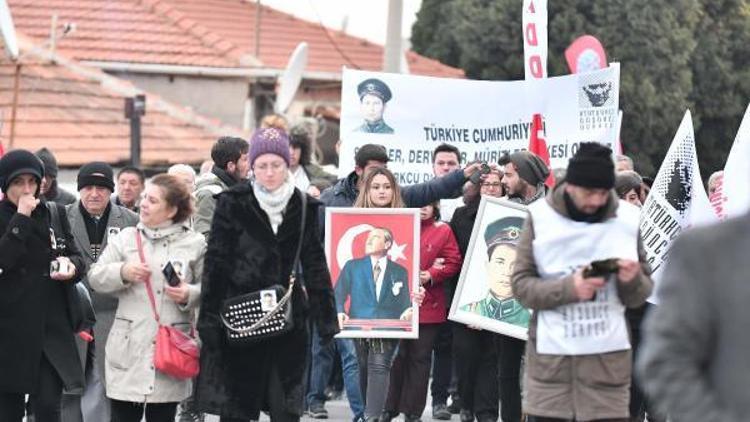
pixel 171 275
pixel 601 268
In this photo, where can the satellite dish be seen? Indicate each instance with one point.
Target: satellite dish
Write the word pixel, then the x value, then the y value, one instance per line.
pixel 290 79
pixel 8 31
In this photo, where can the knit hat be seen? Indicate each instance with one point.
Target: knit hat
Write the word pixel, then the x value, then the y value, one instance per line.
pixel 96 174
pixel 50 163
pixel 269 141
pixel 18 162
pixel 591 167
pixel 529 166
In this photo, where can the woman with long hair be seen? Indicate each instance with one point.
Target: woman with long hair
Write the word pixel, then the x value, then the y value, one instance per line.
pixel 379 190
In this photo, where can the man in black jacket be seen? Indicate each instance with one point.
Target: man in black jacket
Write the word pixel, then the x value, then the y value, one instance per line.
pixel 38 356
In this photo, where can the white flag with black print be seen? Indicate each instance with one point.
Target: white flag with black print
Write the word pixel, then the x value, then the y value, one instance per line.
pixel 677 200
pixel 732 197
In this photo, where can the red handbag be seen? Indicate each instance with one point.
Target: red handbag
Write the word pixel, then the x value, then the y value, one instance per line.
pixel 177 354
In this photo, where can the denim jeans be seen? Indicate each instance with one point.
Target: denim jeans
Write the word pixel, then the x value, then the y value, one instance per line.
pixel 375 359
pixel 320 370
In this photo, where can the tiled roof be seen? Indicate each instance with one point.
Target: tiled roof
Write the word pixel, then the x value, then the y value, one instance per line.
pixel 234 21
pixel 78 113
pixel 118 31
pixel 212 33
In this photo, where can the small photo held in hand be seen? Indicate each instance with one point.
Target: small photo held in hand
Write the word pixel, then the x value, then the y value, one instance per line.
pixel 178 267
pixel 267 300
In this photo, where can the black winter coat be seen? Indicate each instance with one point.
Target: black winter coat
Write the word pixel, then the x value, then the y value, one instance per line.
pixel 462 224
pixel 34 312
pixel 244 255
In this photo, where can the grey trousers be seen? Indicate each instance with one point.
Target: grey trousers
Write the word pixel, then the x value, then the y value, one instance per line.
pixel 93 405
pixel 375 358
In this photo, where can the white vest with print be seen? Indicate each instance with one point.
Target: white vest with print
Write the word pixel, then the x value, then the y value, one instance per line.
pixel 560 246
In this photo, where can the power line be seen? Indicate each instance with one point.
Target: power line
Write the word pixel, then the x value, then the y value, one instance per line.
pixel 330 38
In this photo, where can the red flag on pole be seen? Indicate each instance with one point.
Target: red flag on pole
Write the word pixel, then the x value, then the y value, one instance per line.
pixel 538 146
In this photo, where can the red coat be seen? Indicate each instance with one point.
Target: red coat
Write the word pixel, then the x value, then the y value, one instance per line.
pixel 437 241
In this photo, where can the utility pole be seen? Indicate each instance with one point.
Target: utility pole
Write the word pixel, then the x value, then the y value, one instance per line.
pixel 135 107
pixel 392 51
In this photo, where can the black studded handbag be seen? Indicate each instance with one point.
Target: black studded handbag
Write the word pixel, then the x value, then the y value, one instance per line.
pixel 265 313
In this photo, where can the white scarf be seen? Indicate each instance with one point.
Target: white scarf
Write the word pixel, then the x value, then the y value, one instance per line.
pixel 274 203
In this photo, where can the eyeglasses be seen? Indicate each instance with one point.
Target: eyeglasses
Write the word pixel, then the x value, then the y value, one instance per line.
pixel 491 185
pixel 274 167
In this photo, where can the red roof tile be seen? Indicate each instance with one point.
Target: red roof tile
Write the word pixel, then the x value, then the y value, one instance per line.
pixel 280 33
pixel 213 33
pixel 116 30
pixel 77 112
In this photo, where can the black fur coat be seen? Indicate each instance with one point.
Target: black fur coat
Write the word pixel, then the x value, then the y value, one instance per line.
pixel 244 255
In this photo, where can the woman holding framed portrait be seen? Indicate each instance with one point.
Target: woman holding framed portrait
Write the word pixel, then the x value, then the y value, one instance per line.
pixel 375 355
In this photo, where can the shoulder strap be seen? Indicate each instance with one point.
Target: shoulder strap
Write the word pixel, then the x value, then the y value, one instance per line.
pixel 151 299
pixel 54 215
pixel 295 264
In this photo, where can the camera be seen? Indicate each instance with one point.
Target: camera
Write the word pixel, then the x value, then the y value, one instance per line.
pixel 58 266
pixel 476 177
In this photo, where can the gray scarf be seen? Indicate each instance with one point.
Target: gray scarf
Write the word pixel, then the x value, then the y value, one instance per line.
pixel 274 203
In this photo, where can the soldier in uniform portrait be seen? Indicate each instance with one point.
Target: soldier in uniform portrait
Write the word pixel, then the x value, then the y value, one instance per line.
pixel 373 95
pixel 501 237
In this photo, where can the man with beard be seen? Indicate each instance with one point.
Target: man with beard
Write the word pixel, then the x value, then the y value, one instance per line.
pixel 231 166
pixel 578 356
pixel 524 176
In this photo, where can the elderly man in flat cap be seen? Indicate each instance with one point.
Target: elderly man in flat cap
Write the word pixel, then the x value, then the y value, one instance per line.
pixel 94 218
pixel 373 95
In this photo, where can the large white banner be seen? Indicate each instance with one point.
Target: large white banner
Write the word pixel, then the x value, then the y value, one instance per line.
pixel 677 200
pixel 411 115
pixel 534 23
pixel 732 199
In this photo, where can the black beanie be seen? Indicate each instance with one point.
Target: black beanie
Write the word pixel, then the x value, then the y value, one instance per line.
pixel 50 163
pixel 18 162
pixel 591 167
pixel 96 174
pixel 529 166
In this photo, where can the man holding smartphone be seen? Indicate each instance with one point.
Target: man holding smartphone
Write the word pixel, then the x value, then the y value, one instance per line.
pixel 578 357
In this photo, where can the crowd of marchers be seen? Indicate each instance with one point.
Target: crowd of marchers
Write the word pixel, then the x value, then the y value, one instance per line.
pixel 88 281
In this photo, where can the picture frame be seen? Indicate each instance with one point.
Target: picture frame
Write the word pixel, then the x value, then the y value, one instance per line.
pixel 484 295
pixel 355 240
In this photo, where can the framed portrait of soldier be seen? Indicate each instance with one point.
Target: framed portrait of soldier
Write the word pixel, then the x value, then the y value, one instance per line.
pixel 373 257
pixel 484 295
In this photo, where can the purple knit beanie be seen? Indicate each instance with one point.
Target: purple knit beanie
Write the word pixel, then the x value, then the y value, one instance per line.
pixel 269 141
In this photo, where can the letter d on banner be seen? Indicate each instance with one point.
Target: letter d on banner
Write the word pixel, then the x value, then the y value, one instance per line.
pixel 535 38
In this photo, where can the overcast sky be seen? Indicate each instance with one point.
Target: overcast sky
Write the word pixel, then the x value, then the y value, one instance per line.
pixel 365 19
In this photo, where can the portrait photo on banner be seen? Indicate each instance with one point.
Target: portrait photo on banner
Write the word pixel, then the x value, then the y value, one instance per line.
pixel 484 295
pixel 373 257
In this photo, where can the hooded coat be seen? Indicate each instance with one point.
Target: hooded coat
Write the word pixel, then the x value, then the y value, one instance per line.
pixel 244 255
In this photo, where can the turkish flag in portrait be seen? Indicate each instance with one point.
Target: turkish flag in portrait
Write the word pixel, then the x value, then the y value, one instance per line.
pixel 348 233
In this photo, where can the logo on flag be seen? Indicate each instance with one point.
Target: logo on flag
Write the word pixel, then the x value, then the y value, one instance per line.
pixel 677 200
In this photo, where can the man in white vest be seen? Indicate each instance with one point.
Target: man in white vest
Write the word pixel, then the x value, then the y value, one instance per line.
pixel 578 357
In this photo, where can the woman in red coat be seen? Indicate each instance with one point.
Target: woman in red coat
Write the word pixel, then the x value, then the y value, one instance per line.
pixel 440 260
